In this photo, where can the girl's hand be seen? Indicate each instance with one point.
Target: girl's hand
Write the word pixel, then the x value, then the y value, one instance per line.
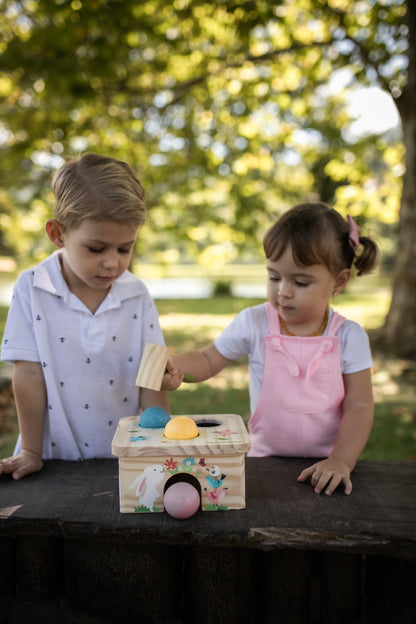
pixel 21 465
pixel 173 376
pixel 328 475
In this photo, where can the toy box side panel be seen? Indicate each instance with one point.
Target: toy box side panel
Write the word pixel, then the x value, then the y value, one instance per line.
pixel 223 483
pixel 141 483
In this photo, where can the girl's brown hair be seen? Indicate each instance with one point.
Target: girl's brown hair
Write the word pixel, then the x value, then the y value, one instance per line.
pixel 97 188
pixel 318 234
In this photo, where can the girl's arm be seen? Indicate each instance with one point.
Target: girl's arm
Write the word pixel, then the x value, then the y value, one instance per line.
pixel 193 366
pixel 30 397
pixel 356 424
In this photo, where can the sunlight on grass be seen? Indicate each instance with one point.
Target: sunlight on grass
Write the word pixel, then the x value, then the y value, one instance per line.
pixel 394 431
pixel 371 313
pixel 213 321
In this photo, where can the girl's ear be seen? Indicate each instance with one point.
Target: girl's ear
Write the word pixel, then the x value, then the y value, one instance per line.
pixel 342 280
pixel 55 232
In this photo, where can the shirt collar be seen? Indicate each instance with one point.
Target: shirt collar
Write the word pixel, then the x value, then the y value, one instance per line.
pixel 48 276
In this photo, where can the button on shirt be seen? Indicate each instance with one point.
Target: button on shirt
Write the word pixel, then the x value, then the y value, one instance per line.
pixel 90 361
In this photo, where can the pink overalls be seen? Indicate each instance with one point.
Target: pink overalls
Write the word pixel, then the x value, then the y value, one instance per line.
pixel 299 409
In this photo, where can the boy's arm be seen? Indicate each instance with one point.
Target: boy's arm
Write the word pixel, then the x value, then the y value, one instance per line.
pixel 193 366
pixel 30 397
pixel 152 398
pixel 356 424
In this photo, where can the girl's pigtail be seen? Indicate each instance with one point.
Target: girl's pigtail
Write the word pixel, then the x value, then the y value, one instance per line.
pixel 367 260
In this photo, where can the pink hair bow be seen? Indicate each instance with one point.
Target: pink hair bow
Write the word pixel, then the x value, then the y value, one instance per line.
pixel 353 233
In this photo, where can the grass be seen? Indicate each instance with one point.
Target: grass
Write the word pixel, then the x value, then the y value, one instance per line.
pixel 192 323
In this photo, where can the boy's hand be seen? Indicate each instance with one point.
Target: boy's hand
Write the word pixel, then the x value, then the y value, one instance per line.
pixel 173 376
pixel 327 475
pixel 21 465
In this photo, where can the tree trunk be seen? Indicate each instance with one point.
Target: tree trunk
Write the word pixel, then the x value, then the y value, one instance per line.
pixel 399 330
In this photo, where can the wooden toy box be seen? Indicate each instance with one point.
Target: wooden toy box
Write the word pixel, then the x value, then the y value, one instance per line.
pixel 214 462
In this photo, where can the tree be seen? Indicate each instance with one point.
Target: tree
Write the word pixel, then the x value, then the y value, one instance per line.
pixel 400 326
pixel 222 107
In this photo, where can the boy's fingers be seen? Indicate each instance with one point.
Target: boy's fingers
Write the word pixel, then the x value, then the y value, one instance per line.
pixel 26 469
pixel 7 465
pixel 21 465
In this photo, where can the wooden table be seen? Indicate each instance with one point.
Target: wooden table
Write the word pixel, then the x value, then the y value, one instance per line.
pixel 67 554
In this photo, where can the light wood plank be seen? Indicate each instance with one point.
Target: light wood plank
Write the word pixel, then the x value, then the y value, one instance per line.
pixel 152 366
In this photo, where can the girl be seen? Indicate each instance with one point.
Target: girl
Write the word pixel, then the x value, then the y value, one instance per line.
pixel 79 321
pixel 310 368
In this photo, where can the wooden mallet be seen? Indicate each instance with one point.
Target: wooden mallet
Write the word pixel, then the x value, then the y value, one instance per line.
pixel 152 367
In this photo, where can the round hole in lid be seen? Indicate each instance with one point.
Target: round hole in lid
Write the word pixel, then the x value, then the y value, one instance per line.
pixel 208 422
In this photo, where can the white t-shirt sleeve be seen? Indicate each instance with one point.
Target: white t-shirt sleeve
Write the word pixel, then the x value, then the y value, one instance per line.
pixel 356 352
pixel 244 335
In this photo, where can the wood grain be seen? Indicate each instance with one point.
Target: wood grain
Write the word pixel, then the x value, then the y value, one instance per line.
pixel 152 366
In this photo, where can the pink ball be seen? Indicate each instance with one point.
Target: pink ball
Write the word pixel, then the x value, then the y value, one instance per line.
pixel 181 500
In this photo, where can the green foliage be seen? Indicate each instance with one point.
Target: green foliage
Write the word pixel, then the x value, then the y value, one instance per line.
pixel 222 288
pixel 3 316
pixel 222 107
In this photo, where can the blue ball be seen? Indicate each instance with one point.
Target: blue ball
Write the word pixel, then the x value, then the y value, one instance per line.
pixel 154 418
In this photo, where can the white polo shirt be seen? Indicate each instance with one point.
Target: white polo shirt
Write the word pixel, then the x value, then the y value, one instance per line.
pixel 90 361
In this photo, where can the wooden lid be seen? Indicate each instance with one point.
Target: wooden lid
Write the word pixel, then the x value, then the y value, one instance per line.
pixel 219 434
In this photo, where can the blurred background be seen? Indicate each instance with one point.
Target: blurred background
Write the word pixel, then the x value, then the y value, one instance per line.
pixel 230 112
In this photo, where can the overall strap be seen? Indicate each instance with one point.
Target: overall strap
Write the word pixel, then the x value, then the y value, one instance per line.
pixel 272 319
pixel 336 321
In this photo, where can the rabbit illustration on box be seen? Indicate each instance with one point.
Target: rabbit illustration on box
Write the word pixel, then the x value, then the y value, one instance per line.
pixel 147 485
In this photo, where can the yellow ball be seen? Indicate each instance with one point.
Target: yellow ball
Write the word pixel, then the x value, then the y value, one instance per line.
pixel 181 428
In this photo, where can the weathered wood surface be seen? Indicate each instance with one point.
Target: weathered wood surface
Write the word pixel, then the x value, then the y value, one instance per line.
pixel 291 557
pixel 72 498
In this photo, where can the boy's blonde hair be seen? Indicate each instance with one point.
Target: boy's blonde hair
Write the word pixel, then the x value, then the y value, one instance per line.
pixel 97 188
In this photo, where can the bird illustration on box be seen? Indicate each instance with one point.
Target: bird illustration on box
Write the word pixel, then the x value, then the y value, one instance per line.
pixel 215 478
pixel 216 496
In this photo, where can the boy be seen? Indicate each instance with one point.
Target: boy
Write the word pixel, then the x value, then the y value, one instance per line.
pixel 79 321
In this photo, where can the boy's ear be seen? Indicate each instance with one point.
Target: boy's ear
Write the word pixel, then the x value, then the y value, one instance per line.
pixel 55 232
pixel 342 280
